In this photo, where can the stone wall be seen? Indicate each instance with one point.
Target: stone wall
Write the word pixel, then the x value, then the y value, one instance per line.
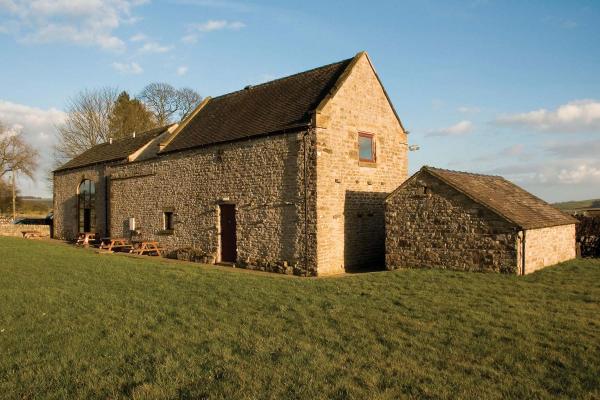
pixel 430 224
pixel 263 177
pixel 15 230
pixel 304 202
pixel 350 194
pixel 66 185
pixel 548 246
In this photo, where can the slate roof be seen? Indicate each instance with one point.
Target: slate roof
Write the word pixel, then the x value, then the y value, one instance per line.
pixel 116 151
pixel 504 198
pixel 270 107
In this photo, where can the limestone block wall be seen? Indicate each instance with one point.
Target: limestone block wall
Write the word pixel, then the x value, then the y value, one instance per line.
pixel 16 230
pixel 430 224
pixel 263 177
pixel 66 184
pixel 548 246
pixel 350 194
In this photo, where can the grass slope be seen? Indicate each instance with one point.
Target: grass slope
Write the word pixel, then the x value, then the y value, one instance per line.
pixel 74 324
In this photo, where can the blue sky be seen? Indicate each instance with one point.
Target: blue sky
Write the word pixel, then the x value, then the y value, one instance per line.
pixel 509 88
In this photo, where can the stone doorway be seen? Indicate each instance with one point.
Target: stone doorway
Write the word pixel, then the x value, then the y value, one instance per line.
pixel 228 233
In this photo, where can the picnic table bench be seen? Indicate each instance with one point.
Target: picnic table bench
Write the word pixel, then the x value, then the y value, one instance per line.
pixel 147 247
pixel 112 244
pixel 31 234
pixel 84 238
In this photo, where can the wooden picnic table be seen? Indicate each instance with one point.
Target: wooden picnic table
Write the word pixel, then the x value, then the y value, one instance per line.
pixel 148 247
pixel 111 244
pixel 31 234
pixel 84 238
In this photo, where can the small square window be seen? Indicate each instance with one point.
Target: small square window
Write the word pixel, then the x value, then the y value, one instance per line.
pixel 366 147
pixel 168 223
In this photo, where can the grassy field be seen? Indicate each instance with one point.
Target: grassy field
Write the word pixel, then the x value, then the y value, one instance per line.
pixel 74 324
pixel 576 205
pixel 27 207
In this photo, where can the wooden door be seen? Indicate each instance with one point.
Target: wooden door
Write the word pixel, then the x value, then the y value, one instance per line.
pixel 87 220
pixel 228 237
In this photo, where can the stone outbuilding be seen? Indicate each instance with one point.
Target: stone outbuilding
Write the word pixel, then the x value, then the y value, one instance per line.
pixel 456 220
pixel 286 176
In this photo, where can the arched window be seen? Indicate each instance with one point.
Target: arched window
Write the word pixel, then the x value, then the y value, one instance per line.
pixel 87 206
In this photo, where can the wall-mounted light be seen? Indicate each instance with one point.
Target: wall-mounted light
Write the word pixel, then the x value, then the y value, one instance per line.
pixel 413 147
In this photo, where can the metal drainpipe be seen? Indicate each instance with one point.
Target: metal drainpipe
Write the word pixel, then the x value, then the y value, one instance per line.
pixel 523 253
pixel 106 205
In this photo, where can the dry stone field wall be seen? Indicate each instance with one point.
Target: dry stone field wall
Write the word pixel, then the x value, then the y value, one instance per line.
pixel 16 230
pixel 588 236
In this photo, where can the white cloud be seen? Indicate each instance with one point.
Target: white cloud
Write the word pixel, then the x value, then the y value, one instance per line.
pixel 128 68
pixel 81 22
pixel 182 70
pixel 468 110
pixel 37 126
pixel 575 116
pixel 149 46
pixel 579 174
pixel 190 39
pixel 460 128
pixel 553 172
pixel 30 118
pixel 235 6
pixel 139 37
pixel 210 26
pixel 217 25
pixel 153 47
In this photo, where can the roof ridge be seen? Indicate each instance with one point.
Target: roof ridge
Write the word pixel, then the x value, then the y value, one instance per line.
pixel 251 87
pixel 475 197
pixel 141 134
pixel 105 151
pixel 492 176
pixel 463 172
pixel 485 201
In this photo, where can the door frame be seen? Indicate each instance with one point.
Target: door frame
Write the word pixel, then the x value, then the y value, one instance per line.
pixel 233 236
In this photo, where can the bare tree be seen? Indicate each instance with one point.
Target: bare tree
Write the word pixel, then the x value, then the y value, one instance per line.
pixel 161 99
pixel 168 103
pixel 87 123
pixel 16 154
pixel 187 100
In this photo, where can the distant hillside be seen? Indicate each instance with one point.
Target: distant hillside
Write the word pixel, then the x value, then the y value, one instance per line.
pixel 577 205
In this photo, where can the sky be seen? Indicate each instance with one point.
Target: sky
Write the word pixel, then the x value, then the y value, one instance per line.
pixel 509 88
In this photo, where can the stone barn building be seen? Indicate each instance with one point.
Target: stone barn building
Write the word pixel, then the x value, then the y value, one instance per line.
pixel 457 220
pixel 287 176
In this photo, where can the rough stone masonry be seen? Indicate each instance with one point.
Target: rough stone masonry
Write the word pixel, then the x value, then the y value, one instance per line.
pixel 456 220
pixel 284 154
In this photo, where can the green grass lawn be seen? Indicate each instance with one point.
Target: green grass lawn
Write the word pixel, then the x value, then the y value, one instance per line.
pixel 75 324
